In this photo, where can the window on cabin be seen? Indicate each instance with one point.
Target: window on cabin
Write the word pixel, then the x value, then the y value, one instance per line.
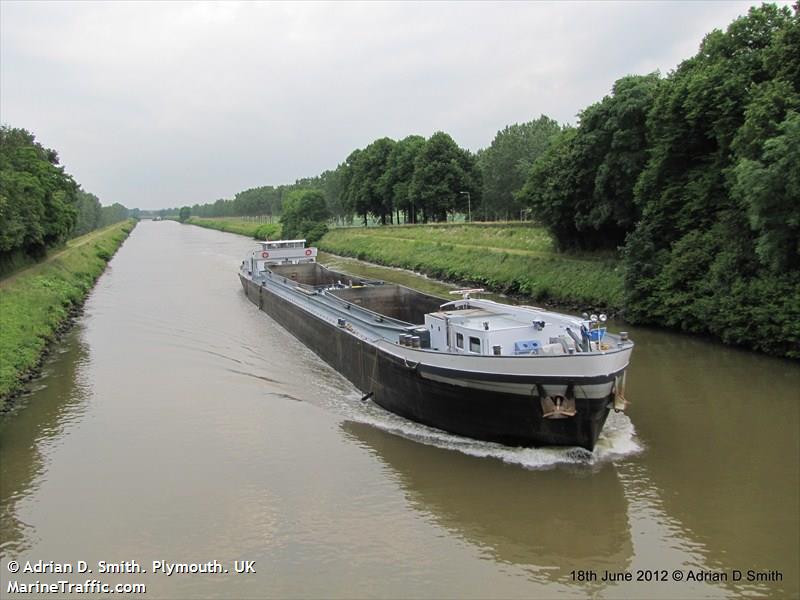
pixel 474 345
pixel 459 340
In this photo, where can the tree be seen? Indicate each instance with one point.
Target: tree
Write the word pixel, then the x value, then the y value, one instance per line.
pixel 505 164
pixel 583 190
pixel 395 183
pixel 37 198
pixel 184 214
pixel 548 191
pixel 305 215
pixel 770 190
pixel 442 171
pixel 89 213
pixel 697 122
pixel 367 168
pixel 334 189
pixel 718 195
pixel 113 214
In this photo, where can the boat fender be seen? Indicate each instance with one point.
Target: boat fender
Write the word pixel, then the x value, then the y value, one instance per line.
pixel 366 397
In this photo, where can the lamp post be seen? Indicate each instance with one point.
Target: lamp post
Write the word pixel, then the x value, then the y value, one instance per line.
pixel 469 205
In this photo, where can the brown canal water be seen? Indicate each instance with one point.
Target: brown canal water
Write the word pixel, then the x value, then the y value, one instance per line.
pixel 177 423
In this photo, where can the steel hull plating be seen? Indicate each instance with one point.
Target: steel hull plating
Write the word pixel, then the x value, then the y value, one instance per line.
pixel 414 393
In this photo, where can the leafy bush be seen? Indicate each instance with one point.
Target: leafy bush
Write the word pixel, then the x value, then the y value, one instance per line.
pixel 267 231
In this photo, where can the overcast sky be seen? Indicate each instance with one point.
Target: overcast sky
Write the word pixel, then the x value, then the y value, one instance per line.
pixel 164 104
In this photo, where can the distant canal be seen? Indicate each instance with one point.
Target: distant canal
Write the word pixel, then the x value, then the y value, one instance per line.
pixel 177 423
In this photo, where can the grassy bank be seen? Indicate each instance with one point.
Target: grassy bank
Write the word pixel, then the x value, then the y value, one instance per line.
pixel 36 303
pixel 255 230
pixel 503 257
pixel 516 259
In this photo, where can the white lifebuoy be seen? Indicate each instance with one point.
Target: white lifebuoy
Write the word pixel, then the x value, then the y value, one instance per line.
pixel 308 251
pixel 265 255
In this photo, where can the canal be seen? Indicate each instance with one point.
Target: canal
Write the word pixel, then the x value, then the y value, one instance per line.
pixel 177 423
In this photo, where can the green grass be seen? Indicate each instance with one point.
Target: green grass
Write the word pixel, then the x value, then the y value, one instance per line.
pixel 506 236
pixel 258 231
pixel 36 301
pixel 514 259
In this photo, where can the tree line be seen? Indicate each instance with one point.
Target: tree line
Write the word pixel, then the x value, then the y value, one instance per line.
pixel 41 205
pixel 406 181
pixel 412 180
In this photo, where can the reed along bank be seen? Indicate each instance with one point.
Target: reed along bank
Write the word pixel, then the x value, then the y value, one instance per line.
pixel 38 303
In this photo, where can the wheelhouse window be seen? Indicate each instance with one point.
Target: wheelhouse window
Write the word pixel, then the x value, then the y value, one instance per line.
pixel 475 345
pixel 459 340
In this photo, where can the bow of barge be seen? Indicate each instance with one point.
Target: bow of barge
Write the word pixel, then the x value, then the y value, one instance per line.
pixel 517 375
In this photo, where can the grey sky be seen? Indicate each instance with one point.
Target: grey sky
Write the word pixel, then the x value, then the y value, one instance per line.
pixel 163 104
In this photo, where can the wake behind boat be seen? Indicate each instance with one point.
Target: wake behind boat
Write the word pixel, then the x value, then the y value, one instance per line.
pixel 517 375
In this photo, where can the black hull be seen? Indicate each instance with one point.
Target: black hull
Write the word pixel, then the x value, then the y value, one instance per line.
pixel 509 419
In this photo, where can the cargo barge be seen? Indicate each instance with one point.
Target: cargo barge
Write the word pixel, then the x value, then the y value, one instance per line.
pixel 517 375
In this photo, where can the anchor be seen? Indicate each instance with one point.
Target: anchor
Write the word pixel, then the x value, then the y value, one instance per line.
pixel 557 406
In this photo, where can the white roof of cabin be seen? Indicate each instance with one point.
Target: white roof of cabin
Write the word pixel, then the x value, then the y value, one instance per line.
pixel 475 318
pixel 282 242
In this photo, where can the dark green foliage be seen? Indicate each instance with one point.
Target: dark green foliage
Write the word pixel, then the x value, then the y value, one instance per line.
pixel 375 181
pixel 769 190
pixel 37 198
pixel 184 213
pixel 333 187
pixel 505 165
pixel 547 190
pixel 442 171
pixel 582 186
pixel 261 201
pixel 112 214
pixel 364 191
pixel 305 215
pixel 716 249
pixel 395 182
pixel 41 206
pixel 697 174
pixel 89 213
